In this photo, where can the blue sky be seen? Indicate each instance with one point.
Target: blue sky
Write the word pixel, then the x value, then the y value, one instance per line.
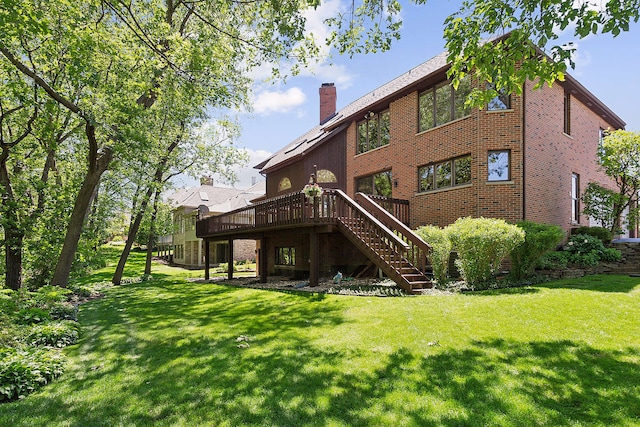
pixel 608 67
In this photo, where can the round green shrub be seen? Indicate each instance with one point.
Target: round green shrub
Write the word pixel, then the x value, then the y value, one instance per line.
pixel 482 244
pixel 440 244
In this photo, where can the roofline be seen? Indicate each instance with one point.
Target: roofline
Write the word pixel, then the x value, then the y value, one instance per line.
pixel 592 102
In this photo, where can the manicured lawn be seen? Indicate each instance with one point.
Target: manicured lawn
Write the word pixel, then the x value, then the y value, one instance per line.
pixel 170 352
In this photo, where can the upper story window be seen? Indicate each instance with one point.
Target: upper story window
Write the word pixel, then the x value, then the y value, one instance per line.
pixel 326 176
pixel 441 104
pixel 601 134
pixel 450 173
pixel 502 101
pixel 373 132
pixel 377 184
pixel 567 113
pixel 284 184
pixel 498 166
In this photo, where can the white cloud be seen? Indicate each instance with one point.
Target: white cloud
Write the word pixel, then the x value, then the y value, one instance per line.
pixel 246 174
pixel 276 101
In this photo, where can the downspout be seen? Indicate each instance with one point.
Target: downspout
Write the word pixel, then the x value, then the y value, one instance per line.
pixel 524 153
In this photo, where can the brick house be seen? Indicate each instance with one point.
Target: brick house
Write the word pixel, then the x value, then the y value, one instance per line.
pixel 417 151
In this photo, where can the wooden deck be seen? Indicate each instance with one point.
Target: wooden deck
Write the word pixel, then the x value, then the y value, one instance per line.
pixel 376 226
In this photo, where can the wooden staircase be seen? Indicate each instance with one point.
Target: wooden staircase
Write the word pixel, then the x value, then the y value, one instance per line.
pixel 388 243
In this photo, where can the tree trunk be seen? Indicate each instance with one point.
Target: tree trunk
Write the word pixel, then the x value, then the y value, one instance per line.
pixel 152 234
pixel 13 258
pixel 131 236
pixel 98 164
pixel 135 225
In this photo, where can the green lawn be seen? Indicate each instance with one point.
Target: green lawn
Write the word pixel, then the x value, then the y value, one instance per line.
pixel 170 352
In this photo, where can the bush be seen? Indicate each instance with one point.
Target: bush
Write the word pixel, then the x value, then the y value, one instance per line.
pixel 55 334
pixel 600 232
pixel 538 240
pixel 31 315
pixel 441 250
pixel 554 261
pixel 49 295
pixel 25 370
pixel 610 255
pixel 588 251
pixel 63 311
pixel 583 250
pixel 482 244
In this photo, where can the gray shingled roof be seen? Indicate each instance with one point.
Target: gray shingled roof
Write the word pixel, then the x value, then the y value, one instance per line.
pixel 321 133
pixel 216 198
pixel 359 107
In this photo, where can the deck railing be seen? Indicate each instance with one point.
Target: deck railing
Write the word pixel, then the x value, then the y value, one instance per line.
pixel 287 210
pixel 399 208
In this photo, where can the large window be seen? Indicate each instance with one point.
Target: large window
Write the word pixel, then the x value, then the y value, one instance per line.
pixel 377 184
pixel 575 198
pixel 502 101
pixel 441 104
pixel 567 113
pixel 286 256
pixel 498 166
pixel 449 173
pixel 373 132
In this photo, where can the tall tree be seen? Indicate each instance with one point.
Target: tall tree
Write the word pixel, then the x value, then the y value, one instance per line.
pixel 523 30
pixel 620 159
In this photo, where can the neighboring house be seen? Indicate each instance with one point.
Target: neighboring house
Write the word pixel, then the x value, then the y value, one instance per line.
pixel 426 158
pixel 195 203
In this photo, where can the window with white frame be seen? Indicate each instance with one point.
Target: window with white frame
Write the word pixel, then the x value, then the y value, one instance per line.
pixel 575 198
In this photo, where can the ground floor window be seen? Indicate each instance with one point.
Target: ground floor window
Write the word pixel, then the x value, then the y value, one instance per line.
pixel 285 256
pixel 498 166
pixel 378 184
pixel 448 173
pixel 575 198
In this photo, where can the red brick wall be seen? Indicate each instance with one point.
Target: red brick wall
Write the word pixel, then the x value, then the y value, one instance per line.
pixel 475 135
pixel 551 156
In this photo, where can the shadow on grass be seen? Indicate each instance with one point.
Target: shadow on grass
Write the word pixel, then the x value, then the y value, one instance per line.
pixel 225 356
pixel 598 283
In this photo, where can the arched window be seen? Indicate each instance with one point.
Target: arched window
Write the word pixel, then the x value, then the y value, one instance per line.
pixel 284 184
pixel 326 176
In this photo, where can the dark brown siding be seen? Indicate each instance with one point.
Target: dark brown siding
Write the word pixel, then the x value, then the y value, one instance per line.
pixel 330 155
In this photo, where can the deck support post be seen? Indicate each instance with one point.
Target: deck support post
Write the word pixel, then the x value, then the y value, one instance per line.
pixel 262 256
pixel 314 258
pixel 230 261
pixel 207 261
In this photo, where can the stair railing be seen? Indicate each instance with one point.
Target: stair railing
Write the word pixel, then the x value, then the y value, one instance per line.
pixel 418 249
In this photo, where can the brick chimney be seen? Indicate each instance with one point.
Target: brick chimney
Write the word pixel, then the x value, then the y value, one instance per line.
pixel 328 100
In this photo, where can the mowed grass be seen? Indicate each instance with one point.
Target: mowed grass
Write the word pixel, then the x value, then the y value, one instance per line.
pixel 169 352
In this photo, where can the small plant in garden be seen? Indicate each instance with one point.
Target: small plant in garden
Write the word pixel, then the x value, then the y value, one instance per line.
pixel 599 232
pixel 23 370
pixel 539 239
pixel 482 244
pixel 441 250
pixel 588 251
pixel 54 334
pixel 31 315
